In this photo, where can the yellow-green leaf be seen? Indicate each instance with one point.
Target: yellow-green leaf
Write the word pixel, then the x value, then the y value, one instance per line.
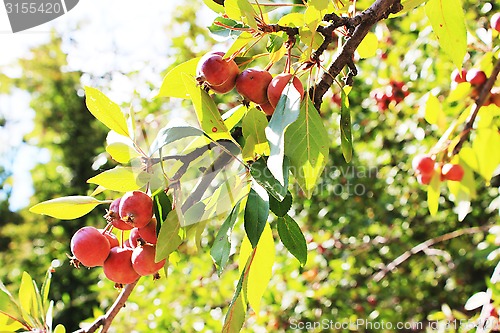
pixel 306 145
pixel 7 324
pixel 241 10
pixel 28 298
pixel 67 208
pixel 434 112
pixel 433 194
pixel 121 179
pixel 253 126
pixel 448 22
pixel 243 40
pixel 368 46
pixel 106 111
pixel 206 111
pixel 60 329
pixel 485 143
pixel 171 86
pixel 122 152
pixel 232 117
pixel 261 268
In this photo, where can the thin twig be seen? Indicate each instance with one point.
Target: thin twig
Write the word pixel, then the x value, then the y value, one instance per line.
pixel 106 320
pixel 379 10
pixel 479 102
pixel 424 246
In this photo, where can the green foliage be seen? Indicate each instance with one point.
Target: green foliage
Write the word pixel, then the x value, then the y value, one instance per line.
pixel 32 310
pixel 355 234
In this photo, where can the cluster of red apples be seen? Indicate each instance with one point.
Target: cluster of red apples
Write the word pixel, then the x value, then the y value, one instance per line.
pixel 123 263
pixel 425 167
pixel 254 84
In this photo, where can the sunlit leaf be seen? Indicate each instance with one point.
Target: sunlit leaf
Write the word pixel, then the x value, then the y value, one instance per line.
pixel 172 133
pixel 168 238
pixel 448 22
pixel 487 141
pixel 345 127
pixel 433 194
pixel 106 111
pixel 286 112
pixel 253 126
pixel 256 213
pixel 8 325
pixel 222 244
pixel 261 267
pixel 306 145
pixel 368 46
pixel 293 238
pixel 172 82
pixel 244 39
pixel 122 152
pixel 28 298
pixel 206 111
pixel 233 117
pixel 434 112
pixel 121 179
pixel 319 4
pixel 214 6
pixel 241 10
pixel 60 329
pixel 67 208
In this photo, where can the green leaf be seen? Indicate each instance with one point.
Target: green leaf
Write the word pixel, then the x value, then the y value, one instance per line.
pixel 306 145
pixel 106 111
pixel 256 213
pixel 45 288
pixel 261 268
pixel 235 317
pixel 171 86
pixel 233 117
pixel 286 112
pixel 225 30
pixel 122 152
pixel 121 179
pixel 162 206
pixel 448 22
pixel 168 238
pixel 281 208
pixel 293 238
pixel 206 111
pixel 222 244
pixel 253 126
pixel 67 208
pixel 263 176
pixel 433 194
pixel 28 299
pixel 241 10
pixel 172 133
pixel 345 127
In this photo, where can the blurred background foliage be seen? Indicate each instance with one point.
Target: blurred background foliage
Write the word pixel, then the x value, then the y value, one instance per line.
pixel 363 215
